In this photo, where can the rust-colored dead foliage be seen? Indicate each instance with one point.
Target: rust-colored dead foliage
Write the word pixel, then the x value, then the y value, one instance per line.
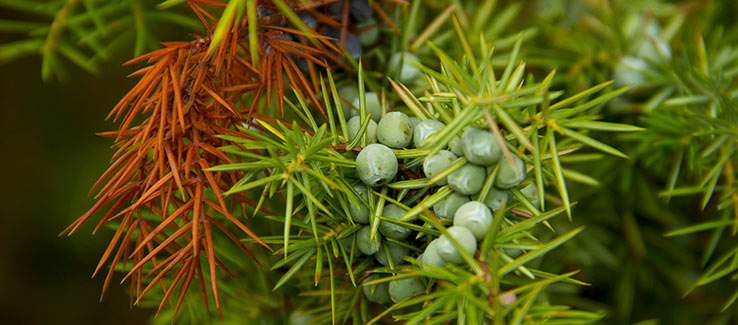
pixel 165 204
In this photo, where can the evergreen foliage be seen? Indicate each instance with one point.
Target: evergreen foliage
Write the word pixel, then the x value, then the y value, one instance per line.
pixel 235 192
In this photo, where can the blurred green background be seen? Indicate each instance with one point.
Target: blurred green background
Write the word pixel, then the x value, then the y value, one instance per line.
pixel 50 157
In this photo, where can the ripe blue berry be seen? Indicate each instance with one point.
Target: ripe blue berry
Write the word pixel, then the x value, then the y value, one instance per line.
pixel 351 43
pixel 283 36
pixel 480 147
pixel 474 216
pixel 437 163
pixel 264 11
pixel 447 208
pixel 448 251
pixel 510 175
pixel 353 46
pixel 336 8
pixel 360 213
pixel 308 20
pixel 468 179
pixel 361 10
pixel 397 253
pixel 376 164
pixel 373 106
pixel 354 124
pixel 395 130
pixel 365 244
pixel 425 129
pixel 403 288
pixel 377 293
pixel 408 72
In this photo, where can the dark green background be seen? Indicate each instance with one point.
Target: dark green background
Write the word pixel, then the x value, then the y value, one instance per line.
pixel 50 157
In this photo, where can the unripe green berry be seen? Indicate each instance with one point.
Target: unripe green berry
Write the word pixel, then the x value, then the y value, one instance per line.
pixel 447 208
pixel 425 129
pixel 430 256
pixel 395 130
pixel 496 199
pixel 437 163
pixel 392 230
pixel 456 146
pixel 447 251
pixel 474 216
pixel 376 164
pixel 348 243
pixel 513 252
pixel 630 71
pixel 354 124
pixel 380 292
pixel 370 35
pixel 651 45
pixel 360 213
pixel 468 179
pixel 510 175
pixel 508 299
pixel 349 93
pixel 530 191
pixel 397 252
pixel 372 106
pixel 299 317
pixel 414 120
pixel 408 73
pixel 403 288
pixel 480 147
pixel 365 244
